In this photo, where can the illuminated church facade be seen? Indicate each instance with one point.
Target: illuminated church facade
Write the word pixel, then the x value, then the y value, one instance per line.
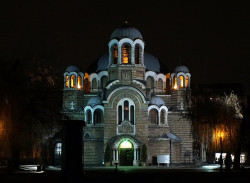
pixel 127 103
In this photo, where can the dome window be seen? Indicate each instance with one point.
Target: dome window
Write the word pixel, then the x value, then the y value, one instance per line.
pixel 114 54
pixel 175 82
pixel 181 81
pixel 126 54
pixel 137 54
pixel 79 82
pixel 168 85
pixel 67 82
pixel 73 81
pixel 186 81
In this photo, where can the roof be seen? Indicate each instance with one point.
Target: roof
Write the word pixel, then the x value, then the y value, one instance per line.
pixel 156 101
pixel 181 68
pixel 72 68
pixel 126 32
pixel 93 101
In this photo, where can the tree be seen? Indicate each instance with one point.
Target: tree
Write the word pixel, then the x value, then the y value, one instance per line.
pixel 107 154
pixel 220 115
pixel 29 107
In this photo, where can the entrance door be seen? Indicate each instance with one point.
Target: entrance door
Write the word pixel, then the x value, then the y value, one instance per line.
pixel 126 157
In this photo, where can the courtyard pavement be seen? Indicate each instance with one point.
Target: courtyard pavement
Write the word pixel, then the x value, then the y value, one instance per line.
pixel 128 174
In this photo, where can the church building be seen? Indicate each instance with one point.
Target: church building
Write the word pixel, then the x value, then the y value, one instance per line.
pixel 128 103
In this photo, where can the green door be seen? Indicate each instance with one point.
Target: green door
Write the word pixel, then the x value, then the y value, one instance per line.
pixel 126 156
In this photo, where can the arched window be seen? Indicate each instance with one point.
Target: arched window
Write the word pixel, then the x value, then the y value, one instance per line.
pixel 119 114
pixel 94 84
pixel 160 85
pixel 186 81
pixel 98 116
pixel 79 82
pixel 132 114
pixel 153 116
pixel 126 111
pixel 137 54
pixel 175 82
pixel 89 117
pixel 126 54
pixel 181 78
pixel 150 82
pixel 163 116
pixel 58 153
pixel 73 81
pixel 67 81
pixel 114 52
pixel 168 85
pixel 104 80
pixel 86 85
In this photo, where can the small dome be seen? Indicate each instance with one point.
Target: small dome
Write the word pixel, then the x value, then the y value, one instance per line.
pixel 126 32
pixel 93 101
pixel 156 101
pixel 181 68
pixel 103 62
pixel 72 68
pixel 151 62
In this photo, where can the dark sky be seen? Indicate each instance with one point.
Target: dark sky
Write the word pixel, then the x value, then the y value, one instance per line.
pixel 212 39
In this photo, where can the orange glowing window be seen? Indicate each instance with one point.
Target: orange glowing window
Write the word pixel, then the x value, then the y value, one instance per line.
pixel 126 54
pixel 73 81
pixel 115 54
pixel 175 82
pixel 186 81
pixel 79 82
pixel 181 81
pixel 67 81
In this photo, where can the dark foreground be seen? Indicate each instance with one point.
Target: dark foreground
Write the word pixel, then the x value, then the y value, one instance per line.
pixel 129 175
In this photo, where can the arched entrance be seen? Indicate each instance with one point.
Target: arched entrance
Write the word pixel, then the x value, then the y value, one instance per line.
pixel 126 152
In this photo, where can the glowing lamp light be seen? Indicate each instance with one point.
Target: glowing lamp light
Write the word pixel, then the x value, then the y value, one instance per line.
pixel 126 144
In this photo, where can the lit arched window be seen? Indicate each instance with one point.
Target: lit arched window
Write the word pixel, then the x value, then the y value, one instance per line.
pixel 126 110
pixel 67 81
pixel 175 82
pixel 73 81
pixel 186 81
pixel 114 54
pixel 58 153
pixel 137 54
pixel 126 54
pixel 153 116
pixel 89 116
pixel 79 82
pixel 98 116
pixel 181 81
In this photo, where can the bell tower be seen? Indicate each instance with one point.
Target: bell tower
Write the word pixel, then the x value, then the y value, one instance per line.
pixel 73 93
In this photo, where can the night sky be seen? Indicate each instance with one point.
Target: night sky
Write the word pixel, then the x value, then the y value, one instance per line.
pixel 212 39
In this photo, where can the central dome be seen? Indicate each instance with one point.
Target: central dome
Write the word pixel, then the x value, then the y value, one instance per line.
pixel 126 32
